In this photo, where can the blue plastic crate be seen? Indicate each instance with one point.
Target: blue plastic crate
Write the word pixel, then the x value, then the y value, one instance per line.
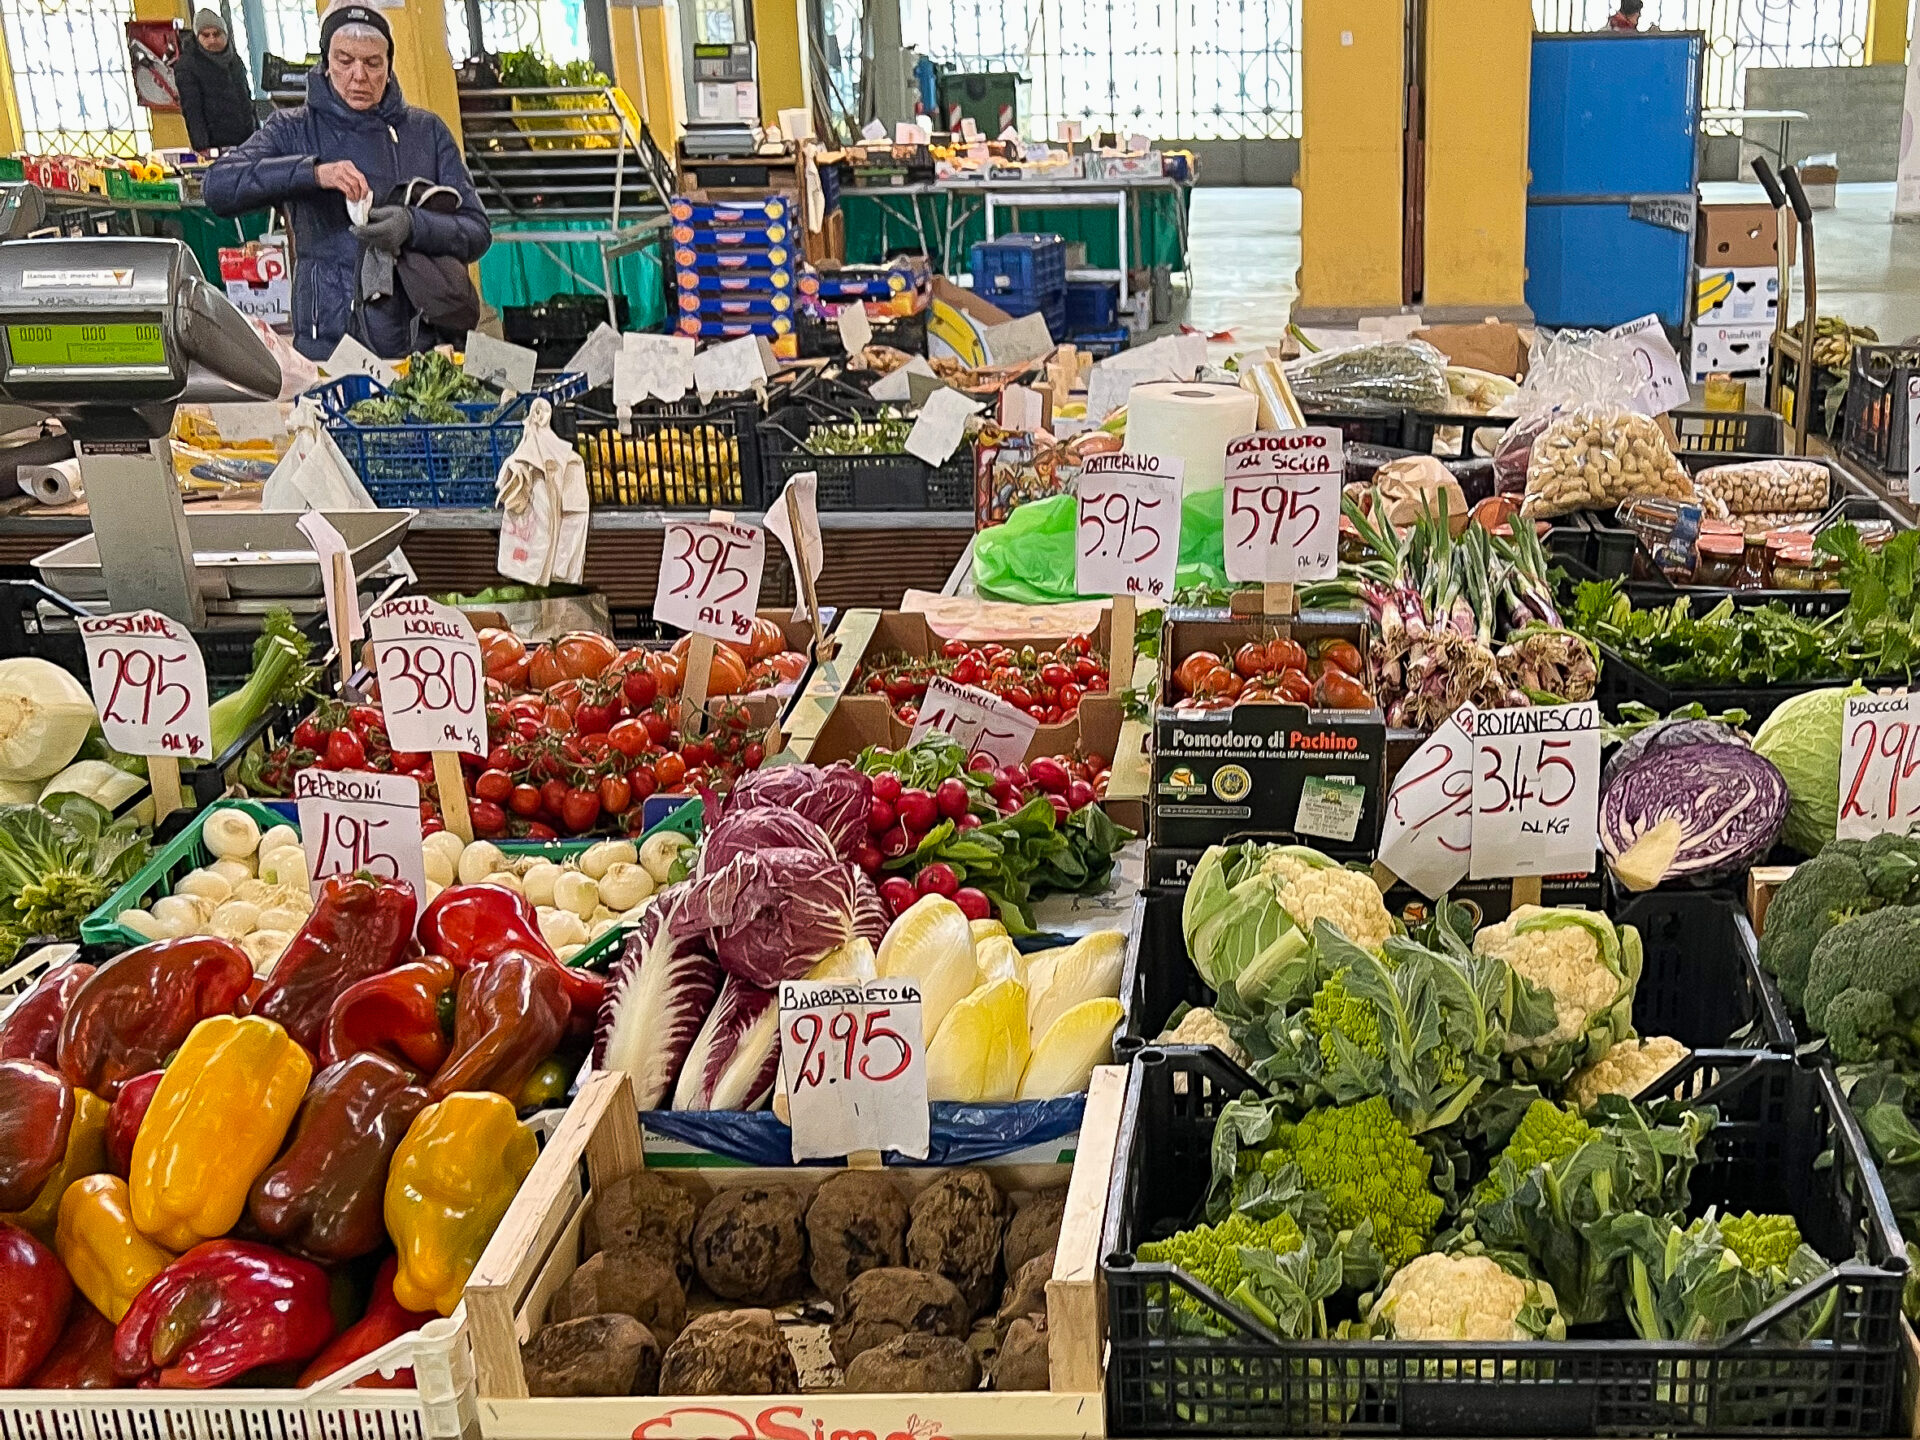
pixel 1101 343
pixel 1031 265
pixel 1054 309
pixel 428 466
pixel 1092 305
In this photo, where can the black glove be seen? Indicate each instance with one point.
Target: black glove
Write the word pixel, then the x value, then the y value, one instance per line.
pixel 388 228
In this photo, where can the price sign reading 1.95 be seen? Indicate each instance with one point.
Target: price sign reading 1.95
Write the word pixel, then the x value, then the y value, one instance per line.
pixel 352 820
pixel 1280 519
pixel 1536 791
pixel 710 577
pixel 1128 533
pixel 853 1066
pixel 432 689
pixel 149 684
pixel 1428 825
pixel 982 723
pixel 1879 766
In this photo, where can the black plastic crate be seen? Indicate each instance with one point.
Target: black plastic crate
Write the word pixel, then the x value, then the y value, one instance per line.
pixel 1785 1142
pixel 819 337
pixel 859 482
pixel 1386 426
pixel 678 454
pixel 1726 432
pixel 1420 431
pixel 1621 681
pixel 1873 422
pixel 1824 381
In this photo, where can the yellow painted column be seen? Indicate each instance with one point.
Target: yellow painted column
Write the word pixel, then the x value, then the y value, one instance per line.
pixel 1886 32
pixel 1353 83
pixel 12 132
pixel 169 129
pixel 647 64
pixel 421 62
pixel 1479 55
pixel 780 39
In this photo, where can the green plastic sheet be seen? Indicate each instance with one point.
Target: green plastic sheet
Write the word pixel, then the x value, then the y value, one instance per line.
pixel 1030 558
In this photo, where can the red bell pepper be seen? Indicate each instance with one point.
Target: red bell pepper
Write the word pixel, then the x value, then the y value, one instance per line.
pixel 405 1015
pixel 129 1108
pixel 513 1010
pixel 31 1030
pixel 36 1118
pixel 471 924
pixel 386 1319
pixel 136 1009
pixel 37 1295
pixel 222 1309
pixel 360 926
pixel 82 1358
pixel 323 1198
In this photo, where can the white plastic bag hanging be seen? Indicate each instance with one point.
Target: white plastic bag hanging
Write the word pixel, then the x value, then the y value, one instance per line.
pixel 314 475
pixel 542 487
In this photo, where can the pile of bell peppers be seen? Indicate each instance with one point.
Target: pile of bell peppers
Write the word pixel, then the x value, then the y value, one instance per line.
pixel 355 1114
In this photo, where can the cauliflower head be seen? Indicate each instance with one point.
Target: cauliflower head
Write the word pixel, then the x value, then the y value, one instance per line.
pixel 1464 1297
pixel 1368 1168
pixel 1200 1026
pixel 1627 1069
pixel 1314 887
pixel 1585 966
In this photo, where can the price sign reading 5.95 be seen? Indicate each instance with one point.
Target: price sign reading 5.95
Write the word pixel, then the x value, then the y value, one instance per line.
pixel 1879 766
pixel 1536 791
pixel 149 684
pixel 432 689
pixel 1280 518
pixel 710 578
pixel 1428 825
pixel 1128 534
pixel 853 1066
pixel 352 820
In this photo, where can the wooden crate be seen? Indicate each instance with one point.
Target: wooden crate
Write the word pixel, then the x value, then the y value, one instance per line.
pixel 1763 883
pixel 538 1246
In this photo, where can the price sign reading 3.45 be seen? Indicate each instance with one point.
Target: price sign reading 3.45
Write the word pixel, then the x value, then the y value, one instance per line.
pixel 1428 825
pixel 1879 766
pixel 432 688
pixel 1280 519
pixel 853 1065
pixel 149 684
pixel 353 820
pixel 1128 532
pixel 710 577
pixel 1536 791
pixel 982 723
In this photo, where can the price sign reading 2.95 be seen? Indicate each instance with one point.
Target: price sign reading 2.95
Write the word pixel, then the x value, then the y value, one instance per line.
pixel 1879 766
pixel 149 684
pixel 353 820
pixel 1128 532
pixel 853 1067
pixel 1428 824
pixel 1280 518
pixel 1536 791
pixel 710 577
pixel 432 689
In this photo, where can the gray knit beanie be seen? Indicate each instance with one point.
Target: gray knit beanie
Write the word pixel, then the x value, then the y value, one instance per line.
pixel 209 20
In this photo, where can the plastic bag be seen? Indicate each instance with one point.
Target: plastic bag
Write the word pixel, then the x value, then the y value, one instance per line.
pixel 1594 456
pixel 542 487
pixel 1384 374
pixel 1565 369
pixel 1029 559
pixel 1755 487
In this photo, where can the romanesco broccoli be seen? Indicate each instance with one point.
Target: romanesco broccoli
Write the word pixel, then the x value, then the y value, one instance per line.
pixel 1762 1242
pixel 1545 1134
pixel 1335 1009
pixel 1368 1168
pixel 1211 1253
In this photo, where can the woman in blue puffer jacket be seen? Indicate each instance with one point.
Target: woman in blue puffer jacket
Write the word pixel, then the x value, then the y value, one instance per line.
pixel 356 138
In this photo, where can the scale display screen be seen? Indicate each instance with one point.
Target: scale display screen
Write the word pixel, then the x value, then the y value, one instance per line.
pixel 103 347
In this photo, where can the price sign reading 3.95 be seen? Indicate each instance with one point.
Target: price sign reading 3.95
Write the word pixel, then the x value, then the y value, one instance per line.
pixel 1879 766
pixel 353 820
pixel 1428 825
pixel 1128 532
pixel 710 577
pixel 1536 791
pixel 1280 518
pixel 853 1066
pixel 432 689
pixel 149 684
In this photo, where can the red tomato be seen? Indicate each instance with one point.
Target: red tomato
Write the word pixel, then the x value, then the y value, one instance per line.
pixel 1188 672
pixel 1343 655
pixel 658 727
pixel 640 780
pixel 537 831
pixel 669 770
pixel 345 751
pixel 639 686
pixel 615 793
pixel 581 655
pixel 524 800
pixel 593 719
pixel 1294 687
pixel 1337 690
pixel 954 649
pixel 1249 660
pixel 1285 654
pixel 628 737
pixel 488 818
pixel 494 785
pixel 308 735
pixel 553 795
pixel 503 656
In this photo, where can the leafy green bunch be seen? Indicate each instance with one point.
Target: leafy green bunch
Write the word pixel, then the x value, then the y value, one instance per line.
pixel 1705 1280
pixel 58 862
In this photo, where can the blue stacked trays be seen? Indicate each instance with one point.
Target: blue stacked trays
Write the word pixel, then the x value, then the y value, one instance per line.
pixel 1024 274
pixel 735 271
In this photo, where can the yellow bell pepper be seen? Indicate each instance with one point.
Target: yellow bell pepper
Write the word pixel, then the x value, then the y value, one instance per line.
pixel 109 1259
pixel 450 1182
pixel 86 1155
pixel 216 1122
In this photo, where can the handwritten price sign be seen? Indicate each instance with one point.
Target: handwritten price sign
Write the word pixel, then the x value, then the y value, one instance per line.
pixel 432 689
pixel 1282 505
pixel 1879 766
pixel 1536 791
pixel 853 1064
pixel 1428 829
pixel 710 578
pixel 149 684
pixel 982 722
pixel 1128 532
pixel 352 820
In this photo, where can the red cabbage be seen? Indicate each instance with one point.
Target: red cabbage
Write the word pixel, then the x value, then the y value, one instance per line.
pixel 761 827
pixel 1668 735
pixel 772 915
pixel 838 798
pixel 659 992
pixel 737 1056
pixel 1700 811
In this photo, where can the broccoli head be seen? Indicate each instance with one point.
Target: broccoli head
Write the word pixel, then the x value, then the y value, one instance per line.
pixel 1863 986
pixel 1545 1134
pixel 1848 878
pixel 1369 1169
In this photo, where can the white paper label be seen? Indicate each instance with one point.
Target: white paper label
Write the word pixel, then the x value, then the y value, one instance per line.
pixel 853 1065
pixel 906 133
pixel 149 684
pixel 710 578
pixel 1427 828
pixel 353 820
pixel 979 722
pixel 260 420
pixel 1067 132
pixel 1282 505
pixel 942 422
pixel 1879 766
pixel 873 130
pixel 350 357
pixel 733 368
pixel 661 366
pixel 432 687
pixel 1913 437
pixel 1663 381
pixel 856 330
pixel 1330 807
pixel 1127 535
pixel 806 547
pixel 1018 340
pixel 508 368
pixel 327 542
pixel 1536 791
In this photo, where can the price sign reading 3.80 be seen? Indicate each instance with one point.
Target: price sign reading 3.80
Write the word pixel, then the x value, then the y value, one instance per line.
pixel 1536 791
pixel 149 684
pixel 432 689
pixel 1127 540
pixel 1280 519
pixel 853 1067
pixel 710 577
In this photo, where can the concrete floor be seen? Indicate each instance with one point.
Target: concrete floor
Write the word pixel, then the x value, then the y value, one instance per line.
pixel 1246 248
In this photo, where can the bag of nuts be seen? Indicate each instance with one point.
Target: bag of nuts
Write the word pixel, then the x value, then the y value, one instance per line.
pixel 1753 487
pixel 1595 456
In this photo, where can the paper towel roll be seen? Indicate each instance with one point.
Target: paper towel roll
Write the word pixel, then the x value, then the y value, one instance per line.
pixel 1192 421
pixel 57 484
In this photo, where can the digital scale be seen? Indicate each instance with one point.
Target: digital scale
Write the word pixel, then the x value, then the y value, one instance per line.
pixel 723 107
